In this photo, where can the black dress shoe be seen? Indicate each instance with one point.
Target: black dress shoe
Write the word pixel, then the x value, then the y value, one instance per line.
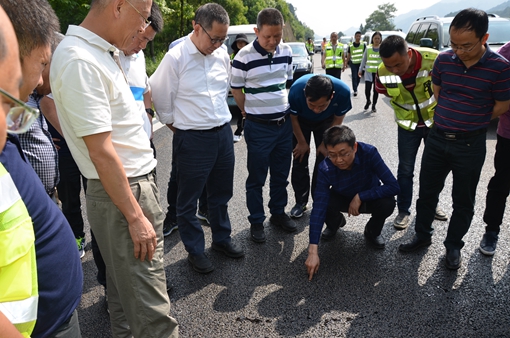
pixel 376 241
pixel 284 221
pixel 328 234
pixel 200 263
pixel 415 244
pixel 229 249
pixel 257 233
pixel 453 259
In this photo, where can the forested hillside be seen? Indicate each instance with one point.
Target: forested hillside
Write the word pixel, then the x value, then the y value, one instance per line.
pixel 179 13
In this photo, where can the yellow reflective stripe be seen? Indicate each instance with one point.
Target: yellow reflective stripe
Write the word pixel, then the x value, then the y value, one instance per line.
pixel 20 311
pixel 10 194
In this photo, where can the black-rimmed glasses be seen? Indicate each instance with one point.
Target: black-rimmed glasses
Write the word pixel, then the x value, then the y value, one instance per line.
pixel 213 41
pixel 20 118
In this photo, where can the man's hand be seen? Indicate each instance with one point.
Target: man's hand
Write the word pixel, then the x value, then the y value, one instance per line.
pixel 312 262
pixel 354 206
pixel 322 149
pixel 144 238
pixel 301 150
pixel 56 140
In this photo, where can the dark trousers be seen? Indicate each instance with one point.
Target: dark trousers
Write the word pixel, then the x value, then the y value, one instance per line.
pixel 335 72
pixel 300 177
pixel 236 112
pixel 499 187
pixel 380 209
pixel 204 158
pixel 464 158
pixel 354 75
pixel 171 194
pixel 408 144
pixel 69 189
pixel 269 148
pixel 368 90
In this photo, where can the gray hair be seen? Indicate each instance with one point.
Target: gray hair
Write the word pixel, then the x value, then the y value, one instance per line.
pixel 209 13
pixel 269 17
pixel 34 22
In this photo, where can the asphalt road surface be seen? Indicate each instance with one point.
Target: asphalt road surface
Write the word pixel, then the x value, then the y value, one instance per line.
pixel 358 292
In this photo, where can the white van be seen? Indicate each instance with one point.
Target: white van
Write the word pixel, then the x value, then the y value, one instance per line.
pixel 234 30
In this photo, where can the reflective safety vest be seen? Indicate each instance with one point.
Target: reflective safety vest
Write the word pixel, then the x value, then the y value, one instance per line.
pixel 373 60
pixel 18 271
pixel 410 106
pixel 356 52
pixel 334 59
pixel 310 47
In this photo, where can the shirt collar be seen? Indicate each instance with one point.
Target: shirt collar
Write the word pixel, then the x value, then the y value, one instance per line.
pixel 91 38
pixel 261 50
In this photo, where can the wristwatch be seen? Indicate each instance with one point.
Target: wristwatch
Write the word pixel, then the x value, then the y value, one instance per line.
pixel 149 111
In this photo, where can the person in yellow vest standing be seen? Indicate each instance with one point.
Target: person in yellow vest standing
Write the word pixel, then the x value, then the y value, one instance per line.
pixel 18 280
pixel 368 67
pixel 405 76
pixel 333 59
pixel 354 57
pixel 309 45
pixel 323 46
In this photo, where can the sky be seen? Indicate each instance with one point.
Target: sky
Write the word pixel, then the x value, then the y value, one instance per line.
pixel 325 16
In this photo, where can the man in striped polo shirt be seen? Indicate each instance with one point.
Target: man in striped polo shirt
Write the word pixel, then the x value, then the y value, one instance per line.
pixel 471 87
pixel 262 69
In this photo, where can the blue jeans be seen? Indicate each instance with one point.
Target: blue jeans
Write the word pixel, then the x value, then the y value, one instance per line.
pixel 204 158
pixel 354 76
pixel 464 158
pixel 269 148
pixel 408 144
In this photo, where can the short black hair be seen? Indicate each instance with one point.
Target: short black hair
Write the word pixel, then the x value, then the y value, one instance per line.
pixel 156 18
pixel 339 134
pixel 471 19
pixel 318 86
pixel 358 32
pixel 391 45
pixel 34 22
pixel 209 13
pixel 373 35
pixel 269 17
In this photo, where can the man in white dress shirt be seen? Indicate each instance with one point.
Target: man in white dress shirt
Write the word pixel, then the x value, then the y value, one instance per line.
pixel 189 91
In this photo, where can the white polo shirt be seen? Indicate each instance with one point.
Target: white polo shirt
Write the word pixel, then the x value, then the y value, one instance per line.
pixel 134 68
pixel 190 89
pixel 92 96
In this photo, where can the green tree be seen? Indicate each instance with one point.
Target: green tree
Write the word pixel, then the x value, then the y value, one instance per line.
pixel 362 29
pixel 70 12
pixel 382 18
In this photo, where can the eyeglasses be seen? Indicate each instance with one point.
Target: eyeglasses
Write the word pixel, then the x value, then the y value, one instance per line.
pixel 19 119
pixel 455 48
pixel 147 22
pixel 333 156
pixel 213 41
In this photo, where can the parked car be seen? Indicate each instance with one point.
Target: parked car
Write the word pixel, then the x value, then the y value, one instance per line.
pixel 231 33
pixel 317 46
pixel 302 61
pixel 434 32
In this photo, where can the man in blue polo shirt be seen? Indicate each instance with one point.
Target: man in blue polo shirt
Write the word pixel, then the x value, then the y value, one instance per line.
pixel 316 103
pixel 349 180
pixel 471 87
pixel 263 68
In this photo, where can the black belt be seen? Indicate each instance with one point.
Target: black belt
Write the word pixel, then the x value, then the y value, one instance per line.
pixel 206 130
pixel 460 135
pixel 268 122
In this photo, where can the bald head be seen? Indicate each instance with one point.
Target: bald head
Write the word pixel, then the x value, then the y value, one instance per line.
pixel 10 71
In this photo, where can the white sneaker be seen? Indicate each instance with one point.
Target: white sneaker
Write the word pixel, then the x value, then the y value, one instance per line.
pixel 401 221
pixel 237 138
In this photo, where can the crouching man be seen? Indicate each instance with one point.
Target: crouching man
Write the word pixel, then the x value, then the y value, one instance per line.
pixel 349 180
